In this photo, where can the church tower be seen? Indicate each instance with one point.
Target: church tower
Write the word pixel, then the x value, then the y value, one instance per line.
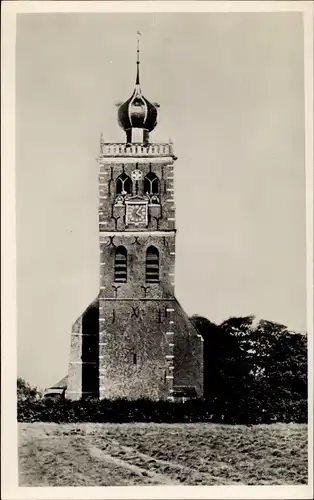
pixel 135 341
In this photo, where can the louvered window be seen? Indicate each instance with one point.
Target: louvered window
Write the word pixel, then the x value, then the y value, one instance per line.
pixel 152 265
pixel 120 265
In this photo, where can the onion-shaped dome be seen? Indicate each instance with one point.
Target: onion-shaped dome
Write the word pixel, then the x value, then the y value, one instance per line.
pixel 137 112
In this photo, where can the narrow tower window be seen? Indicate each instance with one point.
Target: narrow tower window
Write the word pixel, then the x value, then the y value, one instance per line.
pixel 123 184
pixel 152 265
pixel 120 265
pixel 134 359
pixel 151 183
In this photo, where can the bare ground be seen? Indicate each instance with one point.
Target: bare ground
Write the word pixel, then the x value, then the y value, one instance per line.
pixel 139 454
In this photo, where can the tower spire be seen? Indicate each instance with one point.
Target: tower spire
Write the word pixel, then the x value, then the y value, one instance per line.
pixel 138 59
pixel 137 116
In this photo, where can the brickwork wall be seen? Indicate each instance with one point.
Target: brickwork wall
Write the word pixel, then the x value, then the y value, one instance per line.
pixel 136 285
pixel 145 348
pixel 74 384
pixel 83 373
pixel 112 218
pixel 188 353
pixel 133 349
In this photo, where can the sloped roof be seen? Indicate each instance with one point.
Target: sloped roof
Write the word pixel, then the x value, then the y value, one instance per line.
pixel 62 384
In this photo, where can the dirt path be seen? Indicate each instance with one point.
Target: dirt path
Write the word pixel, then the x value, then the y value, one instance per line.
pixel 139 471
pixel 172 472
pixel 71 461
pixel 169 465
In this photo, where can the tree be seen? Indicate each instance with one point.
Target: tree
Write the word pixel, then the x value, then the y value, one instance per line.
pixel 254 371
pixel 225 366
pixel 286 376
pixel 25 391
pixel 263 337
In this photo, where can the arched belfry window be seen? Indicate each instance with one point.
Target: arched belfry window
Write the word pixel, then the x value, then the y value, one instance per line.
pixel 151 183
pixel 152 265
pixel 123 184
pixel 120 265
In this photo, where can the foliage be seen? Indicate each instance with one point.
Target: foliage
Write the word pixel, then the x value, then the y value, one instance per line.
pixel 25 392
pixel 119 410
pixel 254 370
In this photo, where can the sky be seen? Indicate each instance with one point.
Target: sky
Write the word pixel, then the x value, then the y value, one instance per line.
pixel 230 89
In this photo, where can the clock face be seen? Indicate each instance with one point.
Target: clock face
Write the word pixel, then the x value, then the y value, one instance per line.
pixel 137 175
pixel 137 214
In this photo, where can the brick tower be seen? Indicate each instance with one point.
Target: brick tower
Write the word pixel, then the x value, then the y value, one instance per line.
pixel 135 340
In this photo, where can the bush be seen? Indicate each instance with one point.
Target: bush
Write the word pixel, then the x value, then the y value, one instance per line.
pixel 25 392
pixel 120 411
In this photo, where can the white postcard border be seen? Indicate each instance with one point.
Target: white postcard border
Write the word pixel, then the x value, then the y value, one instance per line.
pixel 10 488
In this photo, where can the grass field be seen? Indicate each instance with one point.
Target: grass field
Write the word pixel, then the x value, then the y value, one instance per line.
pixel 139 454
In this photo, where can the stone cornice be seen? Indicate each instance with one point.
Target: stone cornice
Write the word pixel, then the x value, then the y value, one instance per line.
pixel 107 160
pixel 105 234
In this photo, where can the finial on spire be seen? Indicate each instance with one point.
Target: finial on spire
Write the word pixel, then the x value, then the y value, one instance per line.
pixel 138 59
